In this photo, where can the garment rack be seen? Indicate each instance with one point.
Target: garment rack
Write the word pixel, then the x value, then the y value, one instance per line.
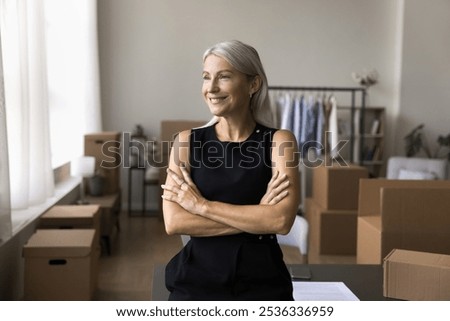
pixel 352 91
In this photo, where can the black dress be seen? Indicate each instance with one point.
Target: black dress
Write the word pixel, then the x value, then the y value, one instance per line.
pixel 233 267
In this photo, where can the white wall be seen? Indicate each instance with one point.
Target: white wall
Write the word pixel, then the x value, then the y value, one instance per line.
pixel 151 50
pixel 425 89
pixel 150 55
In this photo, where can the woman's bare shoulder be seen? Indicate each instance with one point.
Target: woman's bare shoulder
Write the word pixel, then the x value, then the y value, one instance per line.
pixel 283 135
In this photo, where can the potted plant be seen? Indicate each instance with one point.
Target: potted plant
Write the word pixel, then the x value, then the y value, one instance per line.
pixel 416 141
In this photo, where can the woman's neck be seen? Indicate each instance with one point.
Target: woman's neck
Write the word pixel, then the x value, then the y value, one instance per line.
pixel 235 130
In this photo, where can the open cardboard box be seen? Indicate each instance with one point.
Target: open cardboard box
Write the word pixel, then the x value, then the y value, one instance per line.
pixel 407 214
pixel 414 275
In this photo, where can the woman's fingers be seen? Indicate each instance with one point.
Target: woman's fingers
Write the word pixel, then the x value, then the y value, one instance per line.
pixel 273 178
pixel 171 188
pixel 279 197
pixel 183 191
pixel 278 180
pixel 175 177
pixel 276 189
pixel 280 190
pixel 186 176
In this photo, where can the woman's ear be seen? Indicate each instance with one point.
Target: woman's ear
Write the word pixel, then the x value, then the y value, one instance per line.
pixel 255 84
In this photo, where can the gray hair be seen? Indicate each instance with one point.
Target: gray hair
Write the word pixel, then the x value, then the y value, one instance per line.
pixel 245 59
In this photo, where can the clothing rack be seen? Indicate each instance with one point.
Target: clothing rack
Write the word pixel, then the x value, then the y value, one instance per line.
pixel 352 91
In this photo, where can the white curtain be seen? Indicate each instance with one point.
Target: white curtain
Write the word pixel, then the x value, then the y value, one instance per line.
pixel 52 91
pixel 5 209
pixel 26 96
pixel 74 83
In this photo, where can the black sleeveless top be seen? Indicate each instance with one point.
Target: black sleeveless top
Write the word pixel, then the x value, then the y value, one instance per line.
pixel 241 266
pixel 231 172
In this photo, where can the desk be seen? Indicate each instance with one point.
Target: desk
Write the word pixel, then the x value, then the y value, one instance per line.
pixel 365 281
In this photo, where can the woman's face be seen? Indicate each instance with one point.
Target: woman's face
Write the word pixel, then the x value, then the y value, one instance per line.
pixel 225 89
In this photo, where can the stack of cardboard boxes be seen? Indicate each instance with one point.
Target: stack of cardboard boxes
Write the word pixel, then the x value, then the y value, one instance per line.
pixel 403 214
pixel 332 210
pixel 405 225
pixel 105 147
pixel 61 257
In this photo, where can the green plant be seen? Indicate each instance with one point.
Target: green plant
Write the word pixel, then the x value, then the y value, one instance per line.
pixel 416 141
pixel 444 143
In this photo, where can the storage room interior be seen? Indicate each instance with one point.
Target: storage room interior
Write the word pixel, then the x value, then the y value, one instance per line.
pixel 141 84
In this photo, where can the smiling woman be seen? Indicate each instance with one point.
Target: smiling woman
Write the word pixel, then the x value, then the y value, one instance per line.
pixel 233 189
pixel 226 90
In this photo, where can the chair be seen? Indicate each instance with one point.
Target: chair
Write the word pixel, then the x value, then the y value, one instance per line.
pixel 297 236
pixel 416 168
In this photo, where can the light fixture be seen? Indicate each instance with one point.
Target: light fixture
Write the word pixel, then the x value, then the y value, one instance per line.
pixel 83 167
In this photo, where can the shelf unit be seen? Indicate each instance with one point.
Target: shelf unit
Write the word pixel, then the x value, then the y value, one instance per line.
pixel 368 146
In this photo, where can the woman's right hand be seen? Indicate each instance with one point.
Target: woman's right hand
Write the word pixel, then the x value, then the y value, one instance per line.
pixel 276 189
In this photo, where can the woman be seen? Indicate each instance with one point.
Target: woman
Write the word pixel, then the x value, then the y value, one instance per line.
pixel 232 185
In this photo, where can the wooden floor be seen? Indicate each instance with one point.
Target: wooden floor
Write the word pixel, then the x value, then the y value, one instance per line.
pixel 141 243
pixel 127 273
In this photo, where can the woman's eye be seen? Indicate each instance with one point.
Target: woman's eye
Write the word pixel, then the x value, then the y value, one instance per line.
pixel 224 77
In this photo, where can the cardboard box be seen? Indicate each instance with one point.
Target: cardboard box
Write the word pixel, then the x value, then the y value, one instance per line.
pixel 368 240
pixel 73 217
pixel 170 129
pixel 332 231
pixel 369 195
pixel 105 147
pixel 336 187
pixel 60 265
pixel 417 276
pixel 405 214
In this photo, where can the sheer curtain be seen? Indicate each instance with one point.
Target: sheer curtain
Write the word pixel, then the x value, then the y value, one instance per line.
pixel 73 77
pixel 5 210
pixel 25 72
pixel 51 94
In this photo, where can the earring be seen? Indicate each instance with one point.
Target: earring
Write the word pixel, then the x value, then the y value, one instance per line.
pixel 251 94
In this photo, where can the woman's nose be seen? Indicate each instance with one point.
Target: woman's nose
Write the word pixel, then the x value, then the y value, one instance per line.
pixel 212 86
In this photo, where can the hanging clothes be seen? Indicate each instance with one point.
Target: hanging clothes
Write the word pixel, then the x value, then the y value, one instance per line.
pixel 309 125
pixel 286 111
pixel 333 125
pixel 308 118
pixel 297 119
pixel 320 127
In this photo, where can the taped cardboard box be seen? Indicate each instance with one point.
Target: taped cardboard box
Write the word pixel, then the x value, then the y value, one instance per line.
pixel 415 275
pixel 59 265
pixel 332 231
pixel 336 187
pixel 404 214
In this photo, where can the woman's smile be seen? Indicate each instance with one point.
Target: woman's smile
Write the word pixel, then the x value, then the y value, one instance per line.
pixel 217 100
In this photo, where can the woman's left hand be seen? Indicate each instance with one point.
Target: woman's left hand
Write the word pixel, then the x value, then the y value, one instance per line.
pixel 184 192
